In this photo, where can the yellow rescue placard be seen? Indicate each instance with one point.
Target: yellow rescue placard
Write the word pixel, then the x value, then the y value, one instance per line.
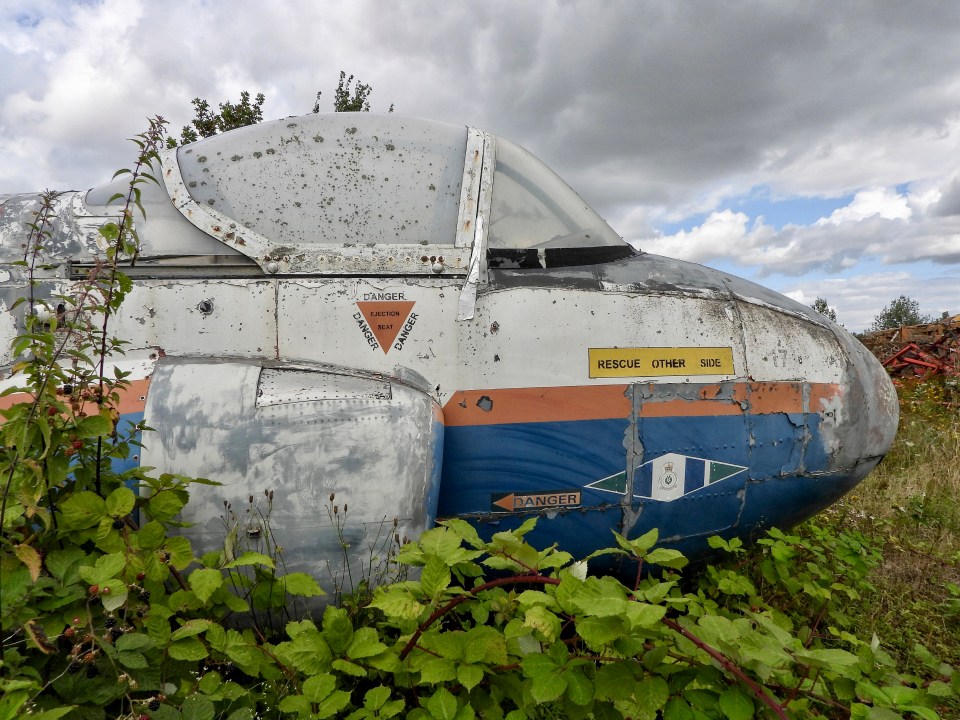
pixel 648 362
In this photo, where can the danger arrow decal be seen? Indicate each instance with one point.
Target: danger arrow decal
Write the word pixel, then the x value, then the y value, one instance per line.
pixel 512 502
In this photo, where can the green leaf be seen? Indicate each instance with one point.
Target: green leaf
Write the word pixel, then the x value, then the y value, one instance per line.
pixel 191 628
pixel 337 629
pixel 134 641
pixel 638 546
pixel 938 688
pixel 151 535
pixel 365 643
pixel 348 668
pixel 717 628
pixel 579 687
pixel 332 704
pixel 52 714
pixel 317 687
pixel 442 705
pixel 187 649
pixel 197 707
pixel 251 558
pixel 376 697
pixel 241 651
pixel 667 558
pixel 94 426
pixel 442 543
pixel 598 632
pixel 736 704
pixel 181 554
pixel 295 705
pixel 544 622
pixel 113 595
pixel 301 584
pixel 485 644
pixel 547 687
pixel 678 709
pixel 165 505
pixel 215 634
pixel 308 652
pixel 242 714
pixel 82 510
pixel 435 577
pixel 64 564
pixel 536 664
pixel 657 592
pixel 120 502
pixel 105 568
pixel 922 712
pixel 437 670
pixel 829 658
pixel 643 615
pixel 611 680
pixel 465 531
pixel 132 659
pixel 644 699
pixel 396 602
pixel 204 582
pixel 469 676
pixel 601 597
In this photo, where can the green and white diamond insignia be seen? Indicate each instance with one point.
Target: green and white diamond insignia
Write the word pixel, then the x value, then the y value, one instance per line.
pixel 717 471
pixel 669 476
pixel 615 483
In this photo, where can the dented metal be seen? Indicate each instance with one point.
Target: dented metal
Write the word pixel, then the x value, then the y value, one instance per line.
pixel 423 321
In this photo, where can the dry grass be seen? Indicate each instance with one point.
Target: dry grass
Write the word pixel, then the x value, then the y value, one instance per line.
pixel 916 489
pixel 911 502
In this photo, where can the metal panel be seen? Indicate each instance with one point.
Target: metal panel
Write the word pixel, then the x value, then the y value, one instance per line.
pixel 226 317
pixel 375 457
pixel 476 274
pixel 329 320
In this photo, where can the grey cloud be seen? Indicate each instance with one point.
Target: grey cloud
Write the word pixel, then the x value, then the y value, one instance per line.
pixel 949 203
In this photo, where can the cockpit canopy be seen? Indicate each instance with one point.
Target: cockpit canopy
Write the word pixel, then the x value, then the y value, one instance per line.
pixel 345 193
pixel 533 208
pixel 334 179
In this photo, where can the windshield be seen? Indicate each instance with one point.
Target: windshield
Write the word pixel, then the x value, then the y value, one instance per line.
pixel 533 208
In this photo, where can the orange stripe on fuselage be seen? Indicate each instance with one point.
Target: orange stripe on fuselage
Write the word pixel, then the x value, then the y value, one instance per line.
pixel 606 402
pixel 133 398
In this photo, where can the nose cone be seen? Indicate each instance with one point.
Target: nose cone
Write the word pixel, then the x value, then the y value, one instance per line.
pixel 867 422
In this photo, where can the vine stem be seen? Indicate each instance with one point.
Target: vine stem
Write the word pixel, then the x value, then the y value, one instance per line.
pixel 730 667
pixel 148 150
pixel 499 582
pixel 536 579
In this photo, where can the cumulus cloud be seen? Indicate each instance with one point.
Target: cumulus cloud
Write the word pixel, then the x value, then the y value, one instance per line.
pixel 858 300
pixel 878 224
pixel 653 111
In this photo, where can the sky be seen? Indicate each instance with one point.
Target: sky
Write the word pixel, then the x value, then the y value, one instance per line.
pixel 809 146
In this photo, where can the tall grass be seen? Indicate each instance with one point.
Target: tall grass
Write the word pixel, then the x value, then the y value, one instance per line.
pixel 911 504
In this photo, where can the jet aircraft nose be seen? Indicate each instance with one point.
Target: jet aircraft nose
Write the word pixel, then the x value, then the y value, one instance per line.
pixel 870 412
pixel 564 374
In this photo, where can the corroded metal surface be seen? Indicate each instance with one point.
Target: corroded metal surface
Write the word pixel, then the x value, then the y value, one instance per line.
pixel 309 439
pixel 374 347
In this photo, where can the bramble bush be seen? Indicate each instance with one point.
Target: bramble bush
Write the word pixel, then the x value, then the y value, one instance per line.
pixel 105 611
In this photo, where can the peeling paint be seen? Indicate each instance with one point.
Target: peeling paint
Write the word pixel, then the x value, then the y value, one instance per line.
pixel 258 246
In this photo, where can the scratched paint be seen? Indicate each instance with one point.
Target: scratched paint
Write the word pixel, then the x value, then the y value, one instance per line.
pixel 304 434
pixel 403 312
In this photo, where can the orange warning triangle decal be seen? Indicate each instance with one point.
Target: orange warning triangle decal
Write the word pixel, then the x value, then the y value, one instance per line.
pixel 386 318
